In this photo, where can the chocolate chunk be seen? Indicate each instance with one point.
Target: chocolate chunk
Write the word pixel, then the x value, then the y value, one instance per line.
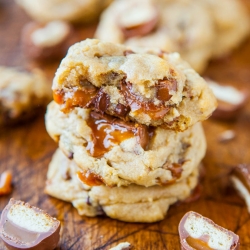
pixel 164 87
pixel 175 169
pixel 142 135
pixel 23 226
pixel 240 177
pixel 100 102
pixel 201 233
pixel 121 110
pixel 128 52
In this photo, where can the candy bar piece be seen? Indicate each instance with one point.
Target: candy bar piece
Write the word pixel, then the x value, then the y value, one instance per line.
pixel 138 23
pixel 201 233
pixel 230 100
pixel 122 246
pixel 46 41
pixel 5 183
pixel 240 178
pixel 226 136
pixel 23 226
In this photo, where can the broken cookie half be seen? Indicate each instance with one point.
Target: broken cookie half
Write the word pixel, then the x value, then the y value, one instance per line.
pixel 23 226
pixel 147 86
pixel 198 232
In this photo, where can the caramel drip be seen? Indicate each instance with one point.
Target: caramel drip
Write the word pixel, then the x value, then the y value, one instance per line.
pixel 106 133
pixel 138 105
pixel 198 244
pixel 90 178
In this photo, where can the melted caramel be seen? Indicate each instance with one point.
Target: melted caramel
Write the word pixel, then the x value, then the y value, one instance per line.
pixel 58 97
pixel 138 105
pixel 90 178
pixel 106 133
pixel 198 244
pixel 74 98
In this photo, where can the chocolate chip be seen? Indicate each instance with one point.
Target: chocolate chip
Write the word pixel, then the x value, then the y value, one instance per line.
pixel 121 110
pixel 175 169
pixel 100 102
pixel 142 135
pixel 185 145
pixel 164 87
pixel 128 52
pixel 70 155
pixel 88 201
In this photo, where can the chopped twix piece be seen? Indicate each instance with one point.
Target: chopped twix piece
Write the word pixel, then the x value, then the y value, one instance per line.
pixel 134 23
pixel 122 246
pixel 198 232
pixel 46 41
pixel 23 226
pixel 240 177
pixel 230 100
pixel 5 183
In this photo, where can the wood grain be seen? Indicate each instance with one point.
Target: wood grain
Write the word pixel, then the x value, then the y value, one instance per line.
pixel 26 150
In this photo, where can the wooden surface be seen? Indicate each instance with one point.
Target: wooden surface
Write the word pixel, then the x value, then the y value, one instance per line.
pixel 26 150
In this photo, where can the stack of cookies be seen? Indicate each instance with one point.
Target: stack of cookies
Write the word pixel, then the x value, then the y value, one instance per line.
pixel 127 121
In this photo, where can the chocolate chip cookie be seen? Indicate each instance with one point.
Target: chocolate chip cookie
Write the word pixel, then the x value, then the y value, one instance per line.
pixel 67 10
pixel 22 94
pixel 198 30
pixel 117 153
pixel 132 203
pixel 147 86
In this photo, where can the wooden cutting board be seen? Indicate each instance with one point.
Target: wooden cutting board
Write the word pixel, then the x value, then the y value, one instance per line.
pixel 26 150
